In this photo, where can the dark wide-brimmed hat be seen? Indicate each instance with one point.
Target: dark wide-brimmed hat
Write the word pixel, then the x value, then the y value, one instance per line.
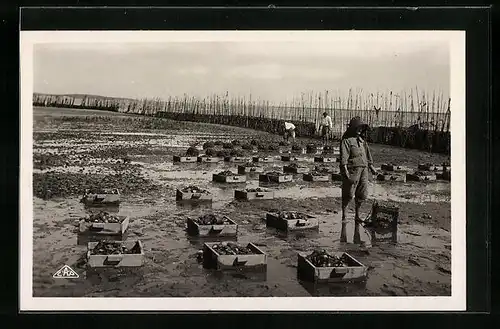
pixel 356 122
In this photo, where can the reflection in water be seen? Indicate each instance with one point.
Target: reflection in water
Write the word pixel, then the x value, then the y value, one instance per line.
pixel 334 289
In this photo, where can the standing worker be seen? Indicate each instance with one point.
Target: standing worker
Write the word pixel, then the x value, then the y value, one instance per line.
pixel 355 161
pixel 289 131
pixel 326 127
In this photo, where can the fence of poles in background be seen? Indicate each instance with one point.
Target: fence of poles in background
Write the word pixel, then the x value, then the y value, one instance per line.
pixel 428 110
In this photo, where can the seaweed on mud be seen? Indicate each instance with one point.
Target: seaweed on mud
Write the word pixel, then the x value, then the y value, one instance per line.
pixel 102 217
pixel 192 152
pixel 320 258
pixel 254 142
pixel 272 147
pixel 237 153
pixel 210 152
pixel 208 145
pixel 283 143
pixel 54 184
pixel 247 146
pixel 212 219
pixel 236 142
pixel 227 146
pixel 218 143
pixel 258 189
pixel 194 189
pixel 113 248
pixel 231 248
pixel 297 147
pixel 224 153
pixel 47 160
pixel 226 173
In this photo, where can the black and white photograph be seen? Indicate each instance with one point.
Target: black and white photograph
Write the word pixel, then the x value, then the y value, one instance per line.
pixel 184 170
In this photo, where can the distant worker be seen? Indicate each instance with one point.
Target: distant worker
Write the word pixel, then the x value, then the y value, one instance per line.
pixel 289 131
pixel 355 161
pixel 326 127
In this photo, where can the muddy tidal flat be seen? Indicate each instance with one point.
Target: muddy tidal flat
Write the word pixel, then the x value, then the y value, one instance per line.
pixel 74 149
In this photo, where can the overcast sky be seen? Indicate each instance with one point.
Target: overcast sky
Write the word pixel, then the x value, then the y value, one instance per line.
pixel 275 71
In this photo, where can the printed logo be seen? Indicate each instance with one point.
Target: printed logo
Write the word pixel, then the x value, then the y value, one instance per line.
pixel 66 272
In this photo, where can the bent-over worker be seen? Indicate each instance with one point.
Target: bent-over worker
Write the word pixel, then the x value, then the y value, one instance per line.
pixel 289 131
pixel 355 161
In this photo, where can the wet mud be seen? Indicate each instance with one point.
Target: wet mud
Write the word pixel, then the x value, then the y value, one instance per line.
pixel 85 148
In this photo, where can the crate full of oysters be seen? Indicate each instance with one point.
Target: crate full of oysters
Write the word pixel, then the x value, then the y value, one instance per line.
pixel 115 254
pixel 212 225
pixel 234 256
pixel 321 266
pixel 291 221
pixel 104 223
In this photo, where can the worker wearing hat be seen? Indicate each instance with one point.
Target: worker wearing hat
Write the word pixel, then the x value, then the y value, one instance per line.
pixel 355 161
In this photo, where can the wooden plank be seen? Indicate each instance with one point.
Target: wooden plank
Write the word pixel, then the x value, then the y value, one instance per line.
pixel 245 195
pixel 263 159
pixel 324 159
pixel 306 271
pixel 208 159
pixel 296 170
pixel 316 177
pixel 105 228
pixel 229 179
pixel 184 159
pixel 284 178
pixel 220 230
pixel 392 167
pixel 237 159
pixel 185 196
pixel 120 260
pixel 309 223
pixel 246 169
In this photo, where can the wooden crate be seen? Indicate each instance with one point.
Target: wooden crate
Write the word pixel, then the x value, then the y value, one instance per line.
pixel 301 151
pixel 101 199
pixel 296 170
pixel 432 167
pixel 308 272
pixel 184 159
pixel 263 159
pixel 428 176
pixel 208 159
pixel 283 178
pixel 229 179
pixel 188 196
pixel 246 170
pixel 223 230
pixel 383 213
pixel 105 228
pixel 392 176
pixel 325 159
pixel 445 175
pixel 316 178
pixel 237 159
pixel 272 220
pixel 391 167
pixel 245 195
pixel 288 158
pixel 120 260
pixel 213 260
